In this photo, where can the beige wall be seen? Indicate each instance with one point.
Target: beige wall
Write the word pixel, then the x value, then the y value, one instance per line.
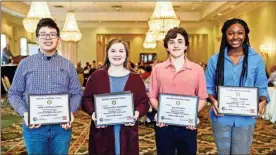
pixel 87 46
pixel 261 21
pixel 262 24
pixel 14 29
pixel 136 46
pixel 86 50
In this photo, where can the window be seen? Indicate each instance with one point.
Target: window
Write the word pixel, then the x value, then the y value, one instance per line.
pixel 3 41
pixel 148 57
pixel 32 48
pixel 23 47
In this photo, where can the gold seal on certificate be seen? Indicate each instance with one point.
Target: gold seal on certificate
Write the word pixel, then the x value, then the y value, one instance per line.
pixel 49 109
pixel 114 108
pixel 177 110
pixel 238 100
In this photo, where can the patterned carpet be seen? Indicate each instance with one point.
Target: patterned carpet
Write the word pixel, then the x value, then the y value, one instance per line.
pixel 12 140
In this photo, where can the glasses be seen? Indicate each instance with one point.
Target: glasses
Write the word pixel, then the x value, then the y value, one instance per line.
pixel 45 35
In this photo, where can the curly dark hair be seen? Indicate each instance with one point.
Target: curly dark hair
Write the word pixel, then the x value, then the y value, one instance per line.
pixel 172 33
pixel 46 22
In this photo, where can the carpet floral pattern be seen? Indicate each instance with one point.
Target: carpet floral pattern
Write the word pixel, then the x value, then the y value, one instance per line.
pixel 12 141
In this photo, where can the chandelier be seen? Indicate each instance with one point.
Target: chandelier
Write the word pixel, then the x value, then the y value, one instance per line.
pixel 70 31
pixel 160 35
pixel 37 11
pixel 150 45
pixel 150 40
pixel 163 19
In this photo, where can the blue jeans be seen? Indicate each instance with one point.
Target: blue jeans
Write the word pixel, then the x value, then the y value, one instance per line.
pixel 48 139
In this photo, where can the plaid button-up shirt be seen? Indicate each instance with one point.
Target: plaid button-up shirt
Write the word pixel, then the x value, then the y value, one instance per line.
pixel 38 75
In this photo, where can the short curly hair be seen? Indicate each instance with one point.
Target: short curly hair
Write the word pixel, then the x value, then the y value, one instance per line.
pixel 46 22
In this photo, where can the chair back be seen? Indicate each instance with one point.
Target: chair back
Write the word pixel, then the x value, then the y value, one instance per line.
pixel 4 84
pixel 81 78
pixel 7 81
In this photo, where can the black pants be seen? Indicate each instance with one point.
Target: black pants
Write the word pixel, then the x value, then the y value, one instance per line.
pixel 172 139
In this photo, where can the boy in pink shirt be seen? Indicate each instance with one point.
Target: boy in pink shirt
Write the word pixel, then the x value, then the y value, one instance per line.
pixel 177 75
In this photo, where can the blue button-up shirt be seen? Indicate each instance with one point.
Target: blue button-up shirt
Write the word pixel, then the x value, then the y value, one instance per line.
pixel 256 77
pixel 38 75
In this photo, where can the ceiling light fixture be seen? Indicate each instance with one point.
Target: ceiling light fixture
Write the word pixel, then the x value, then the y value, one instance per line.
pixel 163 19
pixel 150 40
pixel 37 11
pixel 70 31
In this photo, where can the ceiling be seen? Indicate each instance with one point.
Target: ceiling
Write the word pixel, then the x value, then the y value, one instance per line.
pixel 122 6
pixel 113 12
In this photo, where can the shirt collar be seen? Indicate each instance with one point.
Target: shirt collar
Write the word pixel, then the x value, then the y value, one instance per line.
pixel 251 52
pixel 43 56
pixel 188 63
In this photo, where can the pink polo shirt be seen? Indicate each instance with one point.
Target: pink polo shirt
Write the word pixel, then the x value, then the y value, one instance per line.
pixel 189 80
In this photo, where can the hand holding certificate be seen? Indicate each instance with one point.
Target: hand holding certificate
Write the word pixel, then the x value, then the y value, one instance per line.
pixel 177 110
pixel 114 108
pixel 49 109
pixel 238 101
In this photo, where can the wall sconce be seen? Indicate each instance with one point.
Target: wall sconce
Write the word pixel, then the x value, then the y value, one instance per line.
pixel 264 50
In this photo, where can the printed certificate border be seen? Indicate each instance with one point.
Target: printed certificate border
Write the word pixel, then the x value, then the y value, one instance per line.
pixel 235 87
pixel 113 94
pixel 183 96
pixel 58 94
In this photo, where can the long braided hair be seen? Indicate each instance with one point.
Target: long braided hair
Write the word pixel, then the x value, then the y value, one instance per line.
pixel 220 64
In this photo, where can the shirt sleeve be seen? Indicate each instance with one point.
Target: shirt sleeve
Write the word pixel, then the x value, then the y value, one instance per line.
pixel 17 89
pixel 261 80
pixel 88 95
pixel 75 90
pixel 272 77
pixel 210 74
pixel 143 101
pixel 153 86
pixel 201 85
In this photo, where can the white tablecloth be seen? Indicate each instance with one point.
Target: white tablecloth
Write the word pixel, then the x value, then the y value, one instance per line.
pixel 270 111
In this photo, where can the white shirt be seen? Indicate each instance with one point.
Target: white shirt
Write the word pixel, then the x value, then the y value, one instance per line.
pixel 272 77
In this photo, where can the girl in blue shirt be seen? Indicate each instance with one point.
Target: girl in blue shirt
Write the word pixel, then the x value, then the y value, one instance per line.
pixel 236 64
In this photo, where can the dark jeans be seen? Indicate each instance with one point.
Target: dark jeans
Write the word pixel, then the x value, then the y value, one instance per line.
pixel 172 139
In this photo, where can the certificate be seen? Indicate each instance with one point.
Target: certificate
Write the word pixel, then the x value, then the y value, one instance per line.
pixel 114 108
pixel 238 100
pixel 49 109
pixel 177 110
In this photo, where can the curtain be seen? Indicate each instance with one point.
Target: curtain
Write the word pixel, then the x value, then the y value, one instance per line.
pixel 68 49
pixel 198 48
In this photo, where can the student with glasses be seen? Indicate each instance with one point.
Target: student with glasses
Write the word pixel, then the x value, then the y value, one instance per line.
pixel 45 35
pixel 45 73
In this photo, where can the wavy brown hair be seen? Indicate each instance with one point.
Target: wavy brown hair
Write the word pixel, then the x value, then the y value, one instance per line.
pixel 172 34
pixel 111 42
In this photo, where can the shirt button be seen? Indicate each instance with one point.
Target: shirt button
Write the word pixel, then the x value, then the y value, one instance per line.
pixel 48 76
